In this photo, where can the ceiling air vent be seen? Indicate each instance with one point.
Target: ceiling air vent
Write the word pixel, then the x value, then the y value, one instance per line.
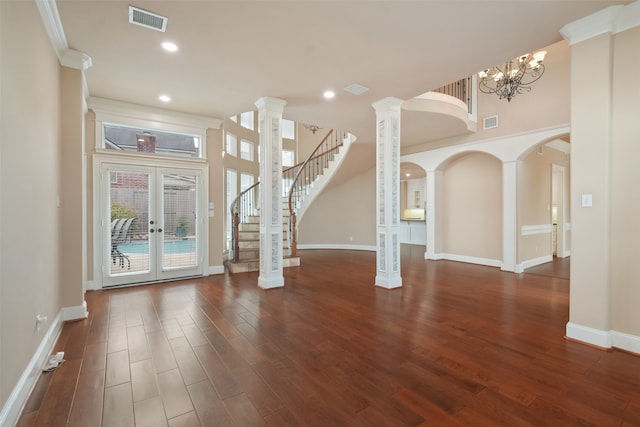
pixel 147 19
pixel 490 122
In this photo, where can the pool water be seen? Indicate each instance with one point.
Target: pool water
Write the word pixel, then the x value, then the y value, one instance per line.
pixel 170 247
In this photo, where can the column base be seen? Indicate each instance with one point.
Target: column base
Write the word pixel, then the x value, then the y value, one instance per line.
pixel 270 282
pixel 388 283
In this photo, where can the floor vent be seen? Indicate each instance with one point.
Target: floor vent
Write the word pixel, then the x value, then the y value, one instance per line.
pixel 490 122
pixel 147 19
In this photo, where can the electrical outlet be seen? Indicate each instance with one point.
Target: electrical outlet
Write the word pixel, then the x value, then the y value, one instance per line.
pixel 40 320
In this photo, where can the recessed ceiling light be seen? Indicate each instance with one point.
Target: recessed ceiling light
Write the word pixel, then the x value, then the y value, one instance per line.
pixel 164 98
pixel 328 94
pixel 170 47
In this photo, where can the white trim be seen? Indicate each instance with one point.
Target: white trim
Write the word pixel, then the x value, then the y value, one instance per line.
pixel 469 259
pixel 75 313
pixel 529 230
pixel 91 285
pixel 75 59
pixel 51 20
pixel 18 398
pixel 215 269
pixel 589 335
pixel 625 341
pixel 612 20
pixel 601 22
pixel 506 148
pixel 604 339
pixel 171 119
pixel 533 262
pixel 52 24
pixel 337 246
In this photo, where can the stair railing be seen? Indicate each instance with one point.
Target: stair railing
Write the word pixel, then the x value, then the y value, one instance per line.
pixel 296 182
pixel 307 174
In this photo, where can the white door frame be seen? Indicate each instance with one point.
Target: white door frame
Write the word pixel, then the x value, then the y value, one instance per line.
pixel 100 223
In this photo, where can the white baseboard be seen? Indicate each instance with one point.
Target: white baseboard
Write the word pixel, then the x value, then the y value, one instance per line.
pixel 605 339
pixel 626 342
pixel 215 269
pixel 533 262
pixel 75 313
pixel 337 246
pixel 469 259
pixel 15 403
pixel 589 335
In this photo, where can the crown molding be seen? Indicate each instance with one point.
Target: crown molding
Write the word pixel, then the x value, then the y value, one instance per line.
pixel 75 59
pixel 611 20
pixel 52 24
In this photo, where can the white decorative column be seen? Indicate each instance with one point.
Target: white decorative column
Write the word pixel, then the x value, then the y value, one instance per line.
pixel 509 217
pixel 388 193
pixel 432 215
pixel 269 122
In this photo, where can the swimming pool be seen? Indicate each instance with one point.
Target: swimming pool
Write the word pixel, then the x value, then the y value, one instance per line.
pixel 170 247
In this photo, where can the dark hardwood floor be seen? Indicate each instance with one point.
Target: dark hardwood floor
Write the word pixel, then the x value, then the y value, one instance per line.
pixel 457 345
pixel 558 267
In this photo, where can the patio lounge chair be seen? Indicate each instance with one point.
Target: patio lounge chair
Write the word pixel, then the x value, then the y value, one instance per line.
pixel 120 234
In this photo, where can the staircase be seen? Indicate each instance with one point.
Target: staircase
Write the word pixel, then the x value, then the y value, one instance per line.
pixel 248 247
pixel 302 183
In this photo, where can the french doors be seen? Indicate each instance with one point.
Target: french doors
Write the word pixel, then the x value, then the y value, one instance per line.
pixel 152 223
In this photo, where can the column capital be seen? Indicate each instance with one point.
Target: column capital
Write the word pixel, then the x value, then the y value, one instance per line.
pixel 272 104
pixel 386 104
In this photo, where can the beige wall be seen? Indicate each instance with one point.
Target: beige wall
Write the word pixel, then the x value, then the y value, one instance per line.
pixel 534 200
pixel 216 195
pixel 343 214
pixel 625 177
pixel 472 206
pixel 590 171
pixel 30 178
pixel 72 162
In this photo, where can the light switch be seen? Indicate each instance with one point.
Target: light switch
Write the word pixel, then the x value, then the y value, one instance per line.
pixel 587 200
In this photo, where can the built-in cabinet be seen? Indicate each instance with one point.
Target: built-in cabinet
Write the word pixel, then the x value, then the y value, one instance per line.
pixel 413 232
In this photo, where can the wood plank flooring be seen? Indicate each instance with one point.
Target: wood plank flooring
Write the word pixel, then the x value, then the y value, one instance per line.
pixel 457 345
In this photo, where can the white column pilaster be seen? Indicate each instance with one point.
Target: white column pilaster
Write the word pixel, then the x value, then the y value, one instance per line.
pixel 270 128
pixel 509 217
pixel 388 193
pixel 432 214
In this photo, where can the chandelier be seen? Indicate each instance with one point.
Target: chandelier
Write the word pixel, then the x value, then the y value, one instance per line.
pixel 514 76
pixel 312 128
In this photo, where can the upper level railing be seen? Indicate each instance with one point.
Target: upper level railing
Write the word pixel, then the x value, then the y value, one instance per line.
pixel 461 90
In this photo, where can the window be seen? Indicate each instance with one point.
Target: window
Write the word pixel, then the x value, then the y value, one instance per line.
pixel 150 141
pixel 288 158
pixel 246 181
pixel 288 129
pixel 231 144
pixel 246 120
pixel 246 150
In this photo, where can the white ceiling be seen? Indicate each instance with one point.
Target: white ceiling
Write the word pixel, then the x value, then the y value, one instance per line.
pixel 235 52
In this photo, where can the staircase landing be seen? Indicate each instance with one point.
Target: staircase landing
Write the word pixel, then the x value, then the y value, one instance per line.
pixel 244 266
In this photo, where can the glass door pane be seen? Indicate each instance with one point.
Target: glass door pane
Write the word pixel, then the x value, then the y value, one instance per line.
pixel 129 217
pixel 179 238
